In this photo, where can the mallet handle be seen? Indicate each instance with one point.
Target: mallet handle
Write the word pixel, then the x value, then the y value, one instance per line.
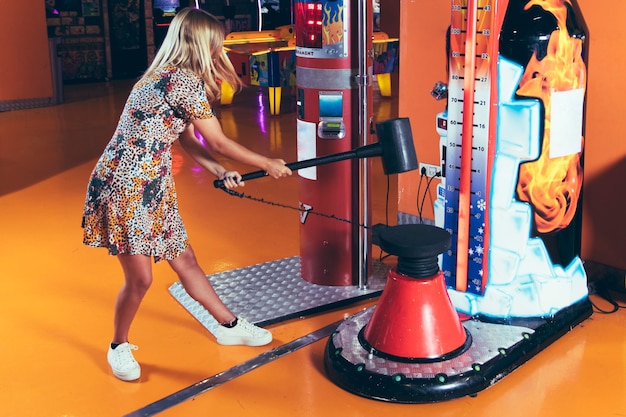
pixel 294 166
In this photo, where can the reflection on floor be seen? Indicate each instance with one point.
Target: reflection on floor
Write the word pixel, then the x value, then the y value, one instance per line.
pixel 57 300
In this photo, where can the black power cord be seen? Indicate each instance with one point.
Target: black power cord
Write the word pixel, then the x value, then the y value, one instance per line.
pixel 420 205
pixel 606 292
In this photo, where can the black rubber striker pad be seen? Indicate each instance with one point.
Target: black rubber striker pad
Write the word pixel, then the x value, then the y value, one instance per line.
pixel 414 240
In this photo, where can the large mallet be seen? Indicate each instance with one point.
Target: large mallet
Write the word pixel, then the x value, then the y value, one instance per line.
pixel 395 146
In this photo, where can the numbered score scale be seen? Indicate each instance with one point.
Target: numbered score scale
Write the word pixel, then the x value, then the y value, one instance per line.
pixel 471 129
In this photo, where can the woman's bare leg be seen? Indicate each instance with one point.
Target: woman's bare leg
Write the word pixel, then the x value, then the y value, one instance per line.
pixel 138 278
pixel 195 282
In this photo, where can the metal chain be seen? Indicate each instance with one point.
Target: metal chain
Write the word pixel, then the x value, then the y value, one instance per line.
pixel 308 211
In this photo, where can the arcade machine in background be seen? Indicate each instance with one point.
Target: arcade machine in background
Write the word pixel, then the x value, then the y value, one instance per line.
pixel 267 59
pixel 264 59
pixel 385 60
pixel 163 12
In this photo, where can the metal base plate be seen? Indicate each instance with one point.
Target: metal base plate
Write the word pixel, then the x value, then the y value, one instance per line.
pixel 236 371
pixel 496 350
pixel 275 291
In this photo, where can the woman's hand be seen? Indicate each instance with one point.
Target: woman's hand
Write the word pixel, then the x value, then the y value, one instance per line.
pixel 276 168
pixel 232 179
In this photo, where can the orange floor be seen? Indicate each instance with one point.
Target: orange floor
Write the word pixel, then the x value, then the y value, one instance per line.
pixel 57 295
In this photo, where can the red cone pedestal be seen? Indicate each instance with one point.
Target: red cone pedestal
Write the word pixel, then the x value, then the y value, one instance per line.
pixel 415 319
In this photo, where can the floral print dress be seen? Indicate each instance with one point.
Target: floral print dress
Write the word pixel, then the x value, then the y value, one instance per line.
pixel 131 205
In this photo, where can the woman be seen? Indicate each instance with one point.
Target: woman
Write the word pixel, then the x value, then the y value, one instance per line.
pixel 131 206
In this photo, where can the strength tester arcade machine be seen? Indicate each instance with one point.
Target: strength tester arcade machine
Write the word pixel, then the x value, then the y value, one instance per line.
pixel 508 207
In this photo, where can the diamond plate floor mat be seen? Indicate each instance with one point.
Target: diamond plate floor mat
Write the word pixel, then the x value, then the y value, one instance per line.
pixel 274 291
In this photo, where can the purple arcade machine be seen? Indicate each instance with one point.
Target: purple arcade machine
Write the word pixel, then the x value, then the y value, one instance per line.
pixel 499 277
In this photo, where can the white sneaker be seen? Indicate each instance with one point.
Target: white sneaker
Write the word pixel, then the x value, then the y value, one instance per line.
pixel 244 333
pixel 123 363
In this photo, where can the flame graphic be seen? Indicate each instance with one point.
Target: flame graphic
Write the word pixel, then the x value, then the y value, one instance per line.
pixel 552 185
pixel 333 24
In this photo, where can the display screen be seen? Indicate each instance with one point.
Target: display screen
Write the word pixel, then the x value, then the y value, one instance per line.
pixel 309 24
pixel 330 104
pixel 168 6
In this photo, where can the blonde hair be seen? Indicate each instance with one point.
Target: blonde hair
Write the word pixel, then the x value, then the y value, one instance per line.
pixel 194 41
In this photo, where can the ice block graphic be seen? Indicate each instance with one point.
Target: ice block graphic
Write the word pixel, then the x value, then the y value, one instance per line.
pixel 522 279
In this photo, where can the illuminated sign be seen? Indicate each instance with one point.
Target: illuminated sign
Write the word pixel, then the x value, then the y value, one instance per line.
pixel 309 25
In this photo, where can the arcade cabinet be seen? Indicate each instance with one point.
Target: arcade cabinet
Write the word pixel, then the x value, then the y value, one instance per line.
pixel 465 307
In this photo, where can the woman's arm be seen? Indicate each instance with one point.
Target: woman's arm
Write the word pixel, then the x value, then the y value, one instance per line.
pixel 199 153
pixel 202 156
pixel 216 140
